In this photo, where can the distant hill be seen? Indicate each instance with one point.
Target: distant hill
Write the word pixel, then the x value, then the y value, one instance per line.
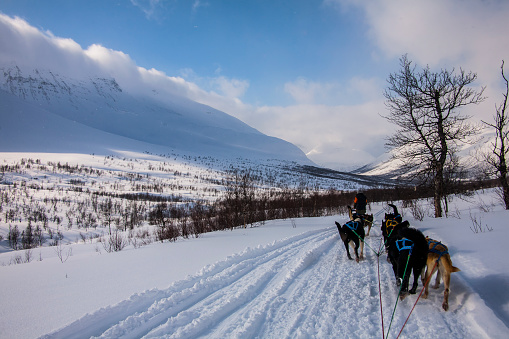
pixel 470 157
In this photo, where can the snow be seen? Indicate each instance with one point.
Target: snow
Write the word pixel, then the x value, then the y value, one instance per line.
pixel 270 281
pixel 280 279
pixel 42 111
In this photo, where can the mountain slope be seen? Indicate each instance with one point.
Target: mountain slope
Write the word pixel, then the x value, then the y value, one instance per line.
pixel 43 110
pixel 469 155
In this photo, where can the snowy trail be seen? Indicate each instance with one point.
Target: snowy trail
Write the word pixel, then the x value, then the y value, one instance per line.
pixel 300 287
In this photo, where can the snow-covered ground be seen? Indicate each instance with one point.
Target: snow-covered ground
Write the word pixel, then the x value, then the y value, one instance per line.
pixel 271 281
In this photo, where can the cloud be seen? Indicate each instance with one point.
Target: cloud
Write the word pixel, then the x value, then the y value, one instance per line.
pixel 337 136
pixel 304 91
pixel 356 90
pixel 230 88
pixel 26 45
pixel 329 133
pixel 470 34
pixel 151 8
pixel 197 4
pixel 437 31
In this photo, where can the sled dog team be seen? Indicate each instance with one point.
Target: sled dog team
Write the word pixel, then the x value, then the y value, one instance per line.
pixel 408 250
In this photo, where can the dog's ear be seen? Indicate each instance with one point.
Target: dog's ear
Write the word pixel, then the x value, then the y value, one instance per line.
pixel 405 223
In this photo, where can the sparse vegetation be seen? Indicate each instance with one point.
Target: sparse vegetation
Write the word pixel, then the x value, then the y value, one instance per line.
pixel 478 226
pixel 133 202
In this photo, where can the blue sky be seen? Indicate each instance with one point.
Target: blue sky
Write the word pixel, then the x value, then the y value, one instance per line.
pixel 310 72
pixel 265 43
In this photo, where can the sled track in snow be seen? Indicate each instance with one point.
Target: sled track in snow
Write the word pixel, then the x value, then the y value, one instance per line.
pixel 300 287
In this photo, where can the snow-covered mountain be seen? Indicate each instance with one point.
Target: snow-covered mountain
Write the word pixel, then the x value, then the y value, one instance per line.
pixel 469 155
pixel 43 111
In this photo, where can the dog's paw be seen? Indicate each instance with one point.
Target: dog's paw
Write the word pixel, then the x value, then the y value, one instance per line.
pixel 403 295
pixel 424 295
pixel 445 306
pixel 436 286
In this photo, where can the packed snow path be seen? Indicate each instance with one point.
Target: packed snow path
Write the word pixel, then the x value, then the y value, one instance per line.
pixel 300 287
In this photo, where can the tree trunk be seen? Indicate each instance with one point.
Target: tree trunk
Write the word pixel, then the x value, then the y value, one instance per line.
pixel 504 183
pixel 505 190
pixel 438 183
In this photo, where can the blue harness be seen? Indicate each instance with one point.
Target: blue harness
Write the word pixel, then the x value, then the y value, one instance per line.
pixel 405 244
pixel 353 225
pixel 435 250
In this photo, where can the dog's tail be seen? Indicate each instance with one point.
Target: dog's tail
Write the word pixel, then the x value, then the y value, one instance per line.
pixel 342 234
pixel 455 269
pixel 350 212
pixel 394 208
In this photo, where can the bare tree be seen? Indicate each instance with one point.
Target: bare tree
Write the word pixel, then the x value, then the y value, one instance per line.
pixel 424 105
pixel 500 147
pixel 239 198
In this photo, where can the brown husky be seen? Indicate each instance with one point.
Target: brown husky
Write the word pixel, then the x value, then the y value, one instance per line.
pixel 439 254
pixel 368 221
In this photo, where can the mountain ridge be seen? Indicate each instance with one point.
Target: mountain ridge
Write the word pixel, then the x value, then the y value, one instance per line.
pixel 102 104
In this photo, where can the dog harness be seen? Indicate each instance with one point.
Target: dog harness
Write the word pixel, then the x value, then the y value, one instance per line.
pixel 404 244
pixel 390 224
pixel 435 250
pixel 353 225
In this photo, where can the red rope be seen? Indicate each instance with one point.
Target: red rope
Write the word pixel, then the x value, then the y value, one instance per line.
pixel 426 284
pixel 380 294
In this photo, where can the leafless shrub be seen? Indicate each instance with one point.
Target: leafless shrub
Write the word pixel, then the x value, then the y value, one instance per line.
pixel 63 253
pixel 484 207
pixel 477 225
pixel 417 210
pixel 139 238
pixel 116 242
pixel 168 232
pixel 17 259
pixel 29 255
pixel 457 213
